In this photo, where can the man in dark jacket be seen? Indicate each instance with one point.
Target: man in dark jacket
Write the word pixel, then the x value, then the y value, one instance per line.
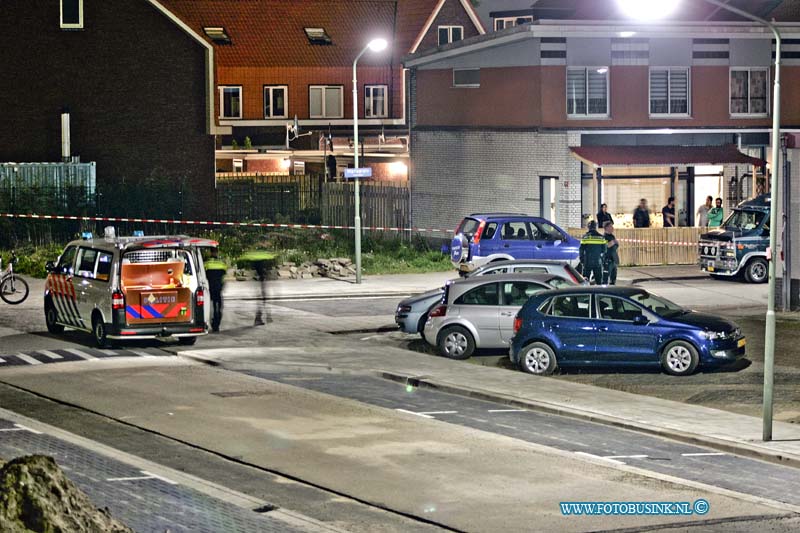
pixel 641 215
pixel 592 254
pixel 215 273
pixel 612 255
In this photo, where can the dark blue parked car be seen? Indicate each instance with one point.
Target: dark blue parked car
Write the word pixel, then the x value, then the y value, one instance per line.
pixel 619 326
pixel 485 237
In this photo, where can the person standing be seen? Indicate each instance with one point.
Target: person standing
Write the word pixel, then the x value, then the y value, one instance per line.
pixel 215 274
pixel 641 215
pixel 592 254
pixel 261 261
pixel 668 213
pixel 702 212
pixel 612 255
pixel 716 214
pixel 604 216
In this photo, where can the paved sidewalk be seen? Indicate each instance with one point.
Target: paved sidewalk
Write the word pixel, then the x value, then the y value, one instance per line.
pixel 405 284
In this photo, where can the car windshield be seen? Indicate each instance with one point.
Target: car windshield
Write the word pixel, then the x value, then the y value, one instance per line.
pixel 744 220
pixel 547 232
pixel 658 305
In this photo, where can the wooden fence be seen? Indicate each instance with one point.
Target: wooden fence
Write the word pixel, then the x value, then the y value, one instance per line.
pixel 655 246
pixel 383 204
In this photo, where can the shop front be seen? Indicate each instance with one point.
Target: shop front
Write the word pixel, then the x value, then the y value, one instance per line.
pixel 622 176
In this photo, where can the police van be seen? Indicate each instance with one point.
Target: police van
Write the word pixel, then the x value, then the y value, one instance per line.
pixel 129 288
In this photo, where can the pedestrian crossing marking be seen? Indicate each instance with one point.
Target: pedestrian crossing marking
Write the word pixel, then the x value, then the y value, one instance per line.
pixel 79 353
pixel 65 355
pixel 28 359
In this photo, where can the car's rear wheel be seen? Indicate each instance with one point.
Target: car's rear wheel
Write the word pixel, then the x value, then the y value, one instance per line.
pixel 455 342
pixel 538 358
pixel 757 270
pixel 51 318
pixel 679 358
pixel 99 332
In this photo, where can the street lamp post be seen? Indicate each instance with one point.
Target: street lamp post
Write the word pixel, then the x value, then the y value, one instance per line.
pixel 635 8
pixel 375 45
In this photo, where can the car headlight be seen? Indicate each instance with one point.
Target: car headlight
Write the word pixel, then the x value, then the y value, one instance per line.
pixel 719 335
pixel 404 309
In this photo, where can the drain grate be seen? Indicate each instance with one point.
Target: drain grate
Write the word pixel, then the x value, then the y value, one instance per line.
pixel 242 393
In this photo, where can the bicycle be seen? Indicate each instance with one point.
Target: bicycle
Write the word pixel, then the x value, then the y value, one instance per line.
pixel 13 289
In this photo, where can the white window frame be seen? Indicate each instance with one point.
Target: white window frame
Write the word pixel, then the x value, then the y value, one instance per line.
pixel 368 101
pixel 767 91
pixel 221 89
pixel 465 85
pixel 77 26
pixel 510 22
pixel 449 34
pixel 324 90
pixel 587 115
pixel 268 94
pixel 670 114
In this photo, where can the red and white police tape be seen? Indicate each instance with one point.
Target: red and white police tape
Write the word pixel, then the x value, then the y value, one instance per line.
pixel 216 223
pixel 270 225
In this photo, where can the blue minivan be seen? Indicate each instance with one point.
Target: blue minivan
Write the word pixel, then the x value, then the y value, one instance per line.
pixel 485 237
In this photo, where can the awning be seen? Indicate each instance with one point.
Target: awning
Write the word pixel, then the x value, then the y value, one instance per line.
pixel 601 156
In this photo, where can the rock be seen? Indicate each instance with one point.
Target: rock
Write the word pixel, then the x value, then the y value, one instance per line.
pixel 313 269
pixel 284 274
pixel 306 275
pixel 293 269
pixel 343 260
pixel 323 263
pixel 288 264
pixel 35 495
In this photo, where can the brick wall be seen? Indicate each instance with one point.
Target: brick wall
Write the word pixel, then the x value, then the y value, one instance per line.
pixel 137 101
pixel 457 172
pixel 451 14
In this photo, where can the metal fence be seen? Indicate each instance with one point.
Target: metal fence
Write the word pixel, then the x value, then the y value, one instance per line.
pixel 51 188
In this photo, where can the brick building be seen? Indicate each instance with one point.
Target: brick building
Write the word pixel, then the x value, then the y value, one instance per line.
pixel 528 118
pixel 135 81
pixel 277 60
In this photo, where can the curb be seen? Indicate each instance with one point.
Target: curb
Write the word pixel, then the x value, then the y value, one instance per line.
pixel 326 296
pixel 675 278
pixel 734 448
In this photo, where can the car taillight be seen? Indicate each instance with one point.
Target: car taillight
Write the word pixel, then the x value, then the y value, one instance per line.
pixel 200 298
pixel 517 324
pixel 117 300
pixel 404 309
pixel 439 310
pixel 477 237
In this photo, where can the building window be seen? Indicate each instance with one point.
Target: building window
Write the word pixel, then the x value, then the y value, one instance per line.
pixel 72 14
pixel 749 91
pixel 450 34
pixel 587 92
pixel 325 101
pixel 466 77
pixel 275 101
pixel 510 22
pixel 669 91
pixel 217 34
pixel 230 102
pixel 375 101
pixel 318 36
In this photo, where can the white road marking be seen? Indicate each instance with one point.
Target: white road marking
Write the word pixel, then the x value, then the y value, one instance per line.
pixel 370 337
pixel 51 355
pixel 506 426
pixel 11 429
pixel 162 478
pixel 413 413
pixel 701 454
pixel 599 457
pixel 625 457
pixel 28 359
pixel 2 361
pixel 132 478
pixel 141 353
pixel 82 355
pixel 437 412
pixel 508 410
pixel 109 352
pixel 26 428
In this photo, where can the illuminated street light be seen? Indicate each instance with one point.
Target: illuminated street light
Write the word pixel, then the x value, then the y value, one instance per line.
pixel 375 45
pixel 652 9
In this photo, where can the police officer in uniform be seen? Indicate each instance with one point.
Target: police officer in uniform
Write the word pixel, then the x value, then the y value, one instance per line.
pixel 215 273
pixel 592 254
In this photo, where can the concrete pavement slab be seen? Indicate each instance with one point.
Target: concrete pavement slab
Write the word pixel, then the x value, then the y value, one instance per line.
pixel 466 479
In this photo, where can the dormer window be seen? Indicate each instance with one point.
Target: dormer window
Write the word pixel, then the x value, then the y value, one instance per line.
pixel 217 34
pixel 72 14
pixel 318 36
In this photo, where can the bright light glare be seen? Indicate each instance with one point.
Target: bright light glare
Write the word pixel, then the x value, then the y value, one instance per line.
pixel 648 9
pixel 378 45
pixel 286 163
pixel 398 168
pixel 626 34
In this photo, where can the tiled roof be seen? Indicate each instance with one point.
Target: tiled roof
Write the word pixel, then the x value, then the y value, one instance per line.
pixel 271 32
pixel 663 155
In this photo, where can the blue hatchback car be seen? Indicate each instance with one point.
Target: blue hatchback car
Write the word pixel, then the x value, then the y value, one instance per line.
pixel 601 326
pixel 485 237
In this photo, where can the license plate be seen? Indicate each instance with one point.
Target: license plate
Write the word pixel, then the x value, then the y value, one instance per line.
pixel 710 267
pixel 741 343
